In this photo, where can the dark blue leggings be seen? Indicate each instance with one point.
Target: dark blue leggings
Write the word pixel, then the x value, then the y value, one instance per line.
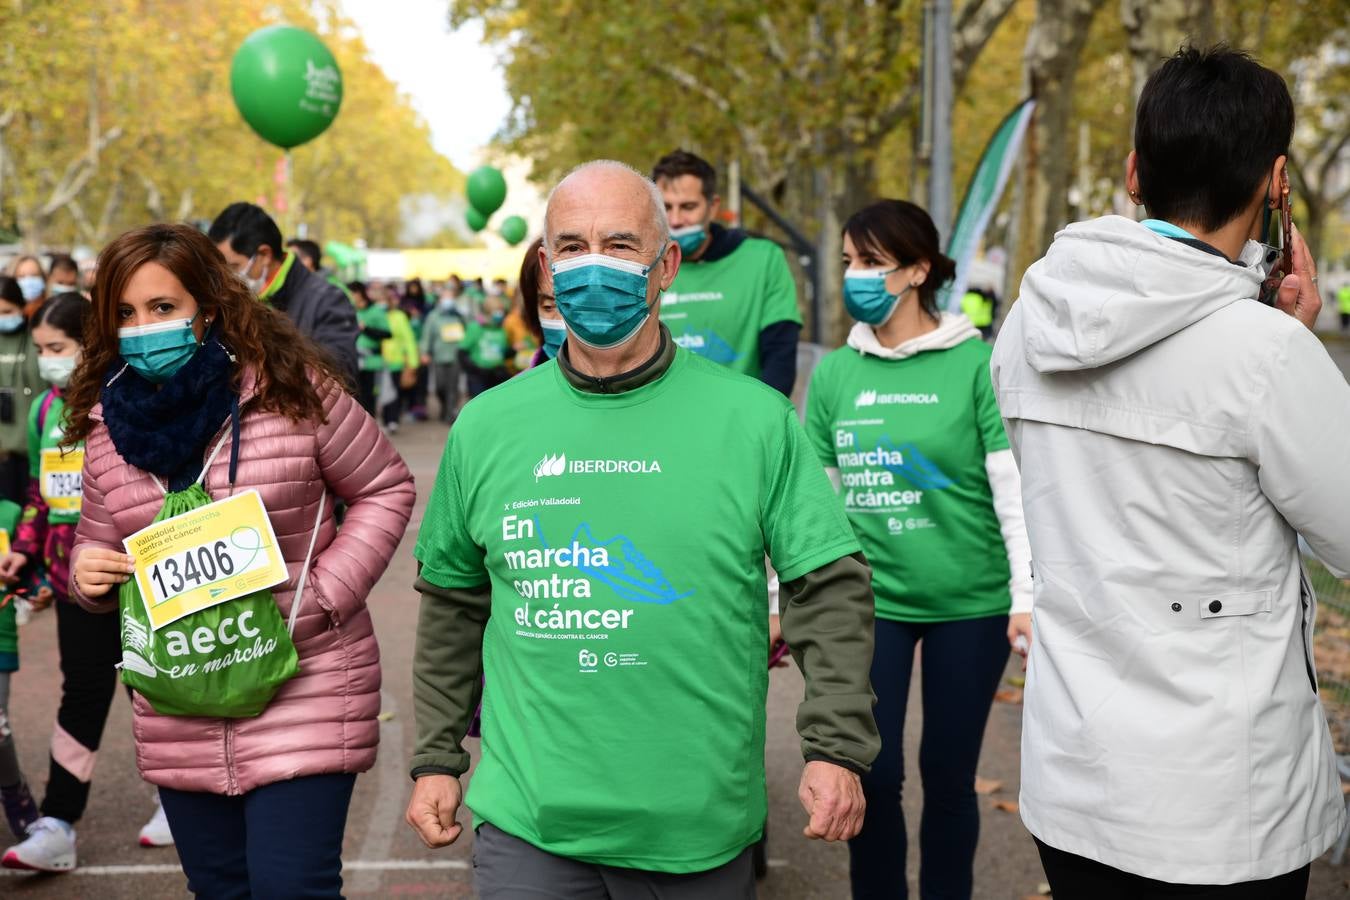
pixel 962 663
pixel 282 840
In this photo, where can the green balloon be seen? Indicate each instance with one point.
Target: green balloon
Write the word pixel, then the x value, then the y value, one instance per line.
pixel 486 189
pixel 286 84
pixel 476 220
pixel 514 229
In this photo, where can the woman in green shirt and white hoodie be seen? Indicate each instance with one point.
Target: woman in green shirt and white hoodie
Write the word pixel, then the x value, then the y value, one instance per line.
pixel 904 419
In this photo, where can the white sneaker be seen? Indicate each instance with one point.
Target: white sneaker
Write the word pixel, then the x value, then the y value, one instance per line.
pixel 156 832
pixel 49 847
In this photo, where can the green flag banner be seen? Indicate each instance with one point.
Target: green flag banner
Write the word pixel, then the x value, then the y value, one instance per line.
pixel 982 196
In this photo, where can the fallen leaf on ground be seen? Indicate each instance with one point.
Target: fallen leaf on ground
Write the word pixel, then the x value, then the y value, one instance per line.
pixel 1043 889
pixel 987 785
pixel 1016 681
pixel 385 716
pixel 1009 695
pixel 1009 806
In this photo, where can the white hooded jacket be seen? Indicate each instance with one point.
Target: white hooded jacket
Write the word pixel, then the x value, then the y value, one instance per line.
pixel 1174 436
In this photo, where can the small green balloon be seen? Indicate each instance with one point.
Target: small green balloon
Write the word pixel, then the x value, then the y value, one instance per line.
pixel 514 229
pixel 486 189
pixel 476 220
pixel 286 84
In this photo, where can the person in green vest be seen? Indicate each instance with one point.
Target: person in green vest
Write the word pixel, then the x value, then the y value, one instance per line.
pixel 442 334
pixel 904 420
pixel 592 551
pixel 20 808
pixel 978 306
pixel 89 643
pixel 1343 302
pixel 734 300
pixel 485 348
pixel 20 382
pixel 401 359
pixel 373 320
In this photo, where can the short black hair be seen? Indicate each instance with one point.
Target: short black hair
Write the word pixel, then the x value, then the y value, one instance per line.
pixel 905 232
pixel 63 261
pixel 681 162
pixel 1209 126
pixel 246 227
pixel 308 249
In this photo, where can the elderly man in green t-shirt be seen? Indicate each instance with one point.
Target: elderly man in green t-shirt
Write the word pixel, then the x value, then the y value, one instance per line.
pixel 593 550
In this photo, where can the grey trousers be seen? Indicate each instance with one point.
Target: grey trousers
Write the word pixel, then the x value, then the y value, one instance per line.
pixel 507 868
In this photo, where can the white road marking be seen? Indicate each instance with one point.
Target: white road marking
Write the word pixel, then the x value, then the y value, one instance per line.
pixel 356 865
pixel 391 796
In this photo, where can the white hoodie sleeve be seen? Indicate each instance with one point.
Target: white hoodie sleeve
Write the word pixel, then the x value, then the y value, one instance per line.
pixel 1006 484
pixel 1300 441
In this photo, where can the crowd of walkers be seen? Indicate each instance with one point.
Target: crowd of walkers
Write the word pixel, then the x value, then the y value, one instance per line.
pixel 631 522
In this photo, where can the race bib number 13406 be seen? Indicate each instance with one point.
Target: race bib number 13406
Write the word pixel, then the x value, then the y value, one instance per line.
pixel 206 556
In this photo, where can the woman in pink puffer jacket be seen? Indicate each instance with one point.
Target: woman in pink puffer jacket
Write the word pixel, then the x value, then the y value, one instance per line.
pixel 257 806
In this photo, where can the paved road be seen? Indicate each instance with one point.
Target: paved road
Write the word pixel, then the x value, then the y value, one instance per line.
pixel 382 856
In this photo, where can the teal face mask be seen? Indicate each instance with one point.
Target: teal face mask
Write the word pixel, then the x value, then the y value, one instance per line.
pixel 555 332
pixel 690 238
pixel 602 299
pixel 866 297
pixel 158 351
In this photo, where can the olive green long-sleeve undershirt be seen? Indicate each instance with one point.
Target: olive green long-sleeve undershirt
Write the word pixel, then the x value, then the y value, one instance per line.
pixel 827 620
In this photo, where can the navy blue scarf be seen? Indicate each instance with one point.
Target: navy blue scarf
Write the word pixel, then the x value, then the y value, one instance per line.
pixel 165 430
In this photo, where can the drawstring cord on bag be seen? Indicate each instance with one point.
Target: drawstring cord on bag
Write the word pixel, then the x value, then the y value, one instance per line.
pixel 304 572
pixel 233 437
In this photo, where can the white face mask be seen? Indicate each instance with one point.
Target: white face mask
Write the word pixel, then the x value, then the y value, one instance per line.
pixel 55 289
pixel 56 370
pixel 254 284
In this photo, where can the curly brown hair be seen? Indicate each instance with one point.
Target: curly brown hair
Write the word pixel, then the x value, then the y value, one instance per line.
pixel 291 372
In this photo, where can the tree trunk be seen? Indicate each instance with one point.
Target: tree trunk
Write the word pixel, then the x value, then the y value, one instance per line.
pixel 1155 29
pixel 843 189
pixel 1053 48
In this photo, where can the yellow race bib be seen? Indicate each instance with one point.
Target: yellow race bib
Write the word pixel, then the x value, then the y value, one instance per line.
pixel 4 541
pixel 59 478
pixel 452 332
pixel 206 556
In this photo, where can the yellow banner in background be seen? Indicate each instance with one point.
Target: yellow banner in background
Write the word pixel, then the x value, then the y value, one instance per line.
pixel 485 263
pixel 205 557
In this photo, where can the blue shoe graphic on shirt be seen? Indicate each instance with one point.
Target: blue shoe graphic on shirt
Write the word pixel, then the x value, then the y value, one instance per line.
pixel 918 470
pixel 630 573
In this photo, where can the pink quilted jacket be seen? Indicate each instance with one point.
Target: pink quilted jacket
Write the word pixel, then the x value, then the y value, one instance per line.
pixel 324 720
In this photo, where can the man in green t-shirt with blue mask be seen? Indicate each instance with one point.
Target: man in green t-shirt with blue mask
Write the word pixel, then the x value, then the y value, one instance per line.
pixel 593 551
pixel 734 300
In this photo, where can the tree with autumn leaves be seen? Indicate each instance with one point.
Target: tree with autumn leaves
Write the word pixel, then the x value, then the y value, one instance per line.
pixel 819 103
pixel 115 114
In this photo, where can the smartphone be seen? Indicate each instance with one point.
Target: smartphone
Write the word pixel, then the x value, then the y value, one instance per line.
pixel 1280 242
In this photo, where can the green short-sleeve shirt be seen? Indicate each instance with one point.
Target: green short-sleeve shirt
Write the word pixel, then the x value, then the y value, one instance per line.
pixel 909 438
pixel 717 309
pixel 624 537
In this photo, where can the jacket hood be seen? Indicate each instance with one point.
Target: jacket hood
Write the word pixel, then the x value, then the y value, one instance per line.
pixel 953 328
pixel 1110 287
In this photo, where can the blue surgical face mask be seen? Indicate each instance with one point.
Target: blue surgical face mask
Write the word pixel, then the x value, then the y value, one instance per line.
pixel 11 323
pixel 866 297
pixel 690 238
pixel 602 299
pixel 62 289
pixel 158 351
pixel 31 286
pixel 555 332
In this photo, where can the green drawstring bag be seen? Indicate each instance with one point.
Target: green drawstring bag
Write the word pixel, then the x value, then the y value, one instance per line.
pixel 248 654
